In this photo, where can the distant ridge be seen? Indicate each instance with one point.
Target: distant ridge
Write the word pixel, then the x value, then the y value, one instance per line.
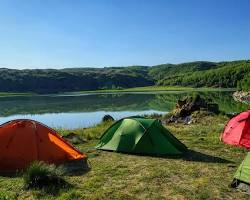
pixel 196 74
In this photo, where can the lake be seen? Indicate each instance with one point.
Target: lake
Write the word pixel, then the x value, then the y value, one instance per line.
pixel 75 111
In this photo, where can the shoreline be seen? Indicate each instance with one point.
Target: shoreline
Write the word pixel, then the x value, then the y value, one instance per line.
pixel 140 90
pixel 145 90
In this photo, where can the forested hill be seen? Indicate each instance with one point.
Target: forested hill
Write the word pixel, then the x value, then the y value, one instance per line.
pixel 195 74
pixel 200 74
pixel 74 79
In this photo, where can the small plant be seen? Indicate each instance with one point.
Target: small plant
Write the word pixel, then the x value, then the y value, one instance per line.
pixel 107 118
pixel 40 175
pixel 6 196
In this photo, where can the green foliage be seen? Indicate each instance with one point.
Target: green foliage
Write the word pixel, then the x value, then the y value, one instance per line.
pixel 222 75
pixel 194 74
pixel 159 72
pixel 75 79
pixel 40 175
pixel 7 196
pixel 244 84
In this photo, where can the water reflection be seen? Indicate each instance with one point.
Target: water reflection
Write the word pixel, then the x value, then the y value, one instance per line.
pixel 85 110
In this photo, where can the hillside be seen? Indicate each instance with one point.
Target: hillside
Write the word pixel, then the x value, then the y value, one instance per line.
pixel 76 79
pixel 226 74
pixel 160 72
pixel 194 74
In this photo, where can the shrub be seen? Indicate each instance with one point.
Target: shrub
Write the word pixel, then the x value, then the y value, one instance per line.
pixel 107 118
pixel 7 196
pixel 40 175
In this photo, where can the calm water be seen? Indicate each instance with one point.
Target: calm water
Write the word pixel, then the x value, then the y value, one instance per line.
pixel 86 110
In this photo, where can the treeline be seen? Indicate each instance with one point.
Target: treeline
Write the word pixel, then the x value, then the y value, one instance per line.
pixel 194 74
pixel 224 74
pixel 244 84
pixel 163 71
pixel 51 80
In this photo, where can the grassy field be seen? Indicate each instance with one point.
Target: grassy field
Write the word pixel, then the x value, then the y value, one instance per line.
pixel 203 173
pixel 128 90
pixel 154 89
pixel 5 94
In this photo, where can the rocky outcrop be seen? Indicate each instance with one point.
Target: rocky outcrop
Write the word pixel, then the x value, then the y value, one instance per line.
pixel 184 108
pixel 243 97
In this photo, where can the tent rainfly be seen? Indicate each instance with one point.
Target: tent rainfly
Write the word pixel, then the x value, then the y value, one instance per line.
pixel 140 136
pixel 24 141
pixel 237 130
pixel 243 172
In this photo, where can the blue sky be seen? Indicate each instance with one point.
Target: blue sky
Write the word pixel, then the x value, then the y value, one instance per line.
pixel 98 33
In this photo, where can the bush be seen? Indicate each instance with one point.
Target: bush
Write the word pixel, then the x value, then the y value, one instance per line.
pixel 107 118
pixel 7 196
pixel 244 84
pixel 40 175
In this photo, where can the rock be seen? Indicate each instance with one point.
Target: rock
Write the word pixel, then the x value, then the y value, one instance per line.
pixel 184 109
pixel 107 118
pixel 190 104
pixel 243 97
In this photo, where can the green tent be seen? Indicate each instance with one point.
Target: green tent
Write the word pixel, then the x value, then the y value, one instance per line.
pixel 141 136
pixel 243 172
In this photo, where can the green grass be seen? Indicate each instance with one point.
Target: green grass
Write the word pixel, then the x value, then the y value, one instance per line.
pixel 147 89
pixel 204 174
pixel 128 90
pixel 152 89
pixel 5 94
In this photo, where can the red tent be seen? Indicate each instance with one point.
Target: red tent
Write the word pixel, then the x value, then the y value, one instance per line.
pixel 237 130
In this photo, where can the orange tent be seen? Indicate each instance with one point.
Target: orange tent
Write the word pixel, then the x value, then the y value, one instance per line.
pixel 24 141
